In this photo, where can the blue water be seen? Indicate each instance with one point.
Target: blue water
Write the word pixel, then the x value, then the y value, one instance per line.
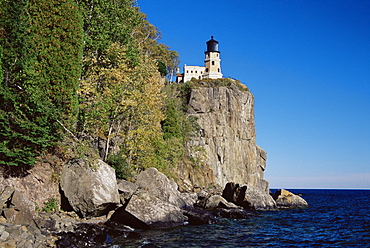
pixel 335 218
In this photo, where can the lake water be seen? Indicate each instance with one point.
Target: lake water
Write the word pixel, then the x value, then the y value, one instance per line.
pixel 335 218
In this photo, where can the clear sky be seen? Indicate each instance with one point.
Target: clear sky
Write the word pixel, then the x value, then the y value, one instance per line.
pixel 307 62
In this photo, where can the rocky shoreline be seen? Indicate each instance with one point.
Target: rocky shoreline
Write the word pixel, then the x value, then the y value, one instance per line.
pixel 97 213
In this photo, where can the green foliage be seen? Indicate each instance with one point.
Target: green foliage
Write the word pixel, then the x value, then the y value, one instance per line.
pixel 120 98
pixel 55 68
pixel 42 42
pixel 123 170
pixel 1 64
pixel 177 126
pixel 107 22
pixel 125 103
pixel 52 205
pixel 162 68
pixel 147 37
pixel 85 66
pixel 171 125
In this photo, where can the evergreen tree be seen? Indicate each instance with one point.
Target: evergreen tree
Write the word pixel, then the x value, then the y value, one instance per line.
pixel 42 44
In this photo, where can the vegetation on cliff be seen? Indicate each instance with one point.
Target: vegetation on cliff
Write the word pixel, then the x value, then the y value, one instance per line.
pixel 71 69
pixel 42 47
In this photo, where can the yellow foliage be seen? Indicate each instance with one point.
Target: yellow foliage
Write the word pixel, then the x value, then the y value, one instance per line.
pixel 124 103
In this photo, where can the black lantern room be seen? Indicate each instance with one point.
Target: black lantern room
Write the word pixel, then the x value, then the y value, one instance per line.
pixel 212 45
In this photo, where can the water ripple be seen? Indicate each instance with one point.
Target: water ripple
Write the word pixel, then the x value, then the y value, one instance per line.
pixel 335 218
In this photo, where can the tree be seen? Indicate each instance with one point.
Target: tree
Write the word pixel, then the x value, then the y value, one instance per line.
pixel 147 37
pixel 107 22
pixel 124 103
pixel 42 42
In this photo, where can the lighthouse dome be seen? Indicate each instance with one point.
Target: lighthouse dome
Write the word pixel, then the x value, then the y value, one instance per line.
pixel 212 45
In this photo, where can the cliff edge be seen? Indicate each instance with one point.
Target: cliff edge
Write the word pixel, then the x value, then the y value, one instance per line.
pixel 226 145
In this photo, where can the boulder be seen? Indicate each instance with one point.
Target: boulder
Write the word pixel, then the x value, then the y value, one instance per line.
pixel 203 194
pixel 189 198
pixel 254 199
pixel 25 210
pixel 5 196
pixel 248 197
pixel 158 185
pixel 197 216
pixel 230 192
pixel 90 187
pixel 286 199
pixel 126 190
pixel 10 214
pixel 232 213
pixel 147 211
pixel 155 204
pixel 215 201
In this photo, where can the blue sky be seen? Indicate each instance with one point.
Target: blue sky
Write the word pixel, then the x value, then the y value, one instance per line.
pixel 307 62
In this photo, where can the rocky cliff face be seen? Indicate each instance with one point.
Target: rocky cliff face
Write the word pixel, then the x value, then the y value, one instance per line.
pixel 225 148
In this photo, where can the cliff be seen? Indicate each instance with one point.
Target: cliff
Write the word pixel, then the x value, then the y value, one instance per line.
pixel 225 148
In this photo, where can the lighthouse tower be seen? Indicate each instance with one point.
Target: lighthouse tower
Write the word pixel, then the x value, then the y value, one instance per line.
pixel 212 61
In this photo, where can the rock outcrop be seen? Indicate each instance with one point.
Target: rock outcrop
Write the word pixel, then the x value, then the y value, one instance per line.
pixel 91 189
pixel 248 197
pixel 286 199
pixel 36 186
pixel 155 204
pixel 226 145
pixel 159 186
pixel 126 190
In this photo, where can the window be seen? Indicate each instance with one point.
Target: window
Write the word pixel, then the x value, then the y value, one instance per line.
pixel 213 63
pixel 218 69
pixel 206 69
pixel 191 71
pixel 196 71
pixel 187 71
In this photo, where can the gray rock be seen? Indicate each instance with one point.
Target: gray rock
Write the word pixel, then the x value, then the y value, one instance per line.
pixel 203 194
pixel 10 214
pixel 226 145
pixel 91 188
pixel 231 213
pixel 158 185
pixel 286 199
pixel 4 236
pixel 5 196
pixel 25 209
pixel 248 197
pixel 145 211
pixel 198 216
pixel 189 199
pixel 231 191
pixel 126 189
pixel 253 198
pixel 216 201
pixel 155 204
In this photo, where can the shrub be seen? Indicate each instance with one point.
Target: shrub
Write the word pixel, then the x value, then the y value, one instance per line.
pixel 51 205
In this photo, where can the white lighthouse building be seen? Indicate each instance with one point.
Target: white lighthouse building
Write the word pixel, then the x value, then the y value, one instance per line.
pixel 211 68
pixel 212 61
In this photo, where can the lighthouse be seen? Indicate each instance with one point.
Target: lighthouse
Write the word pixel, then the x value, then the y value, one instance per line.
pixel 212 61
pixel 211 68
